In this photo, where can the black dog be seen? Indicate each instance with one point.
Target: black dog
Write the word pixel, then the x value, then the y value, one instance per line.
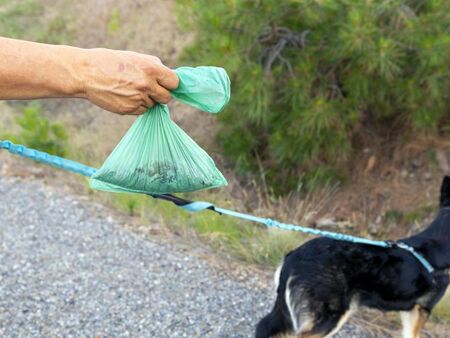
pixel 322 282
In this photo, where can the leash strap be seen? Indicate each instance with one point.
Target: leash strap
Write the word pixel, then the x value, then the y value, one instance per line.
pixel 196 206
pixel 410 249
pixel 52 160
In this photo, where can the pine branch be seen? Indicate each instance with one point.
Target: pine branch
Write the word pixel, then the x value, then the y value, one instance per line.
pixel 278 38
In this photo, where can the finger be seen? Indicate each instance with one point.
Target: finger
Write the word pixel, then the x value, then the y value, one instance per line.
pixel 141 110
pixel 159 94
pixel 148 100
pixel 167 78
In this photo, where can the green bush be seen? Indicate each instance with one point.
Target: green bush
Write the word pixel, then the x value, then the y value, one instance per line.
pixel 310 77
pixel 38 133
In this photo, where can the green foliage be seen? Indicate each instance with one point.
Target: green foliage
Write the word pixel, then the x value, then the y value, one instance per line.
pixel 308 76
pixel 38 133
pixel 26 19
pixel 393 216
pixel 132 204
pixel 114 21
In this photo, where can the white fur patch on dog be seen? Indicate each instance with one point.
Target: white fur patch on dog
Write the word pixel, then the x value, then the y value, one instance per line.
pixel 298 310
pixel 409 322
pixel 276 277
pixel 290 307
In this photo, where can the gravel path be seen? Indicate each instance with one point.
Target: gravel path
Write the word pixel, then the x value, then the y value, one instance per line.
pixel 68 269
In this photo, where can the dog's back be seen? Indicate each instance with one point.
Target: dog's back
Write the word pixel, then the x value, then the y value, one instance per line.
pixel 320 283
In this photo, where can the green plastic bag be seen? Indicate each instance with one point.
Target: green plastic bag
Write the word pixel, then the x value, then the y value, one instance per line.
pixel 205 88
pixel 155 155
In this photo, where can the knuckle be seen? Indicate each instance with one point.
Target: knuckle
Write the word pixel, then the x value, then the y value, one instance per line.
pixel 143 86
pixel 152 91
pixel 137 100
pixel 165 98
pixel 153 68
pixel 127 109
pixel 157 70
pixel 119 109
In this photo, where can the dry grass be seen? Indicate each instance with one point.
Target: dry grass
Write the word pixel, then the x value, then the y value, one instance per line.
pixel 246 241
pixel 442 310
pixel 388 325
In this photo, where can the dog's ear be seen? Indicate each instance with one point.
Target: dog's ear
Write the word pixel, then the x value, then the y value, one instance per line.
pixel 445 192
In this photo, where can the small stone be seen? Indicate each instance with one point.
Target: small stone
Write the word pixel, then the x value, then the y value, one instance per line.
pixel 373 228
pixel 416 163
pixel 326 222
pixel 441 157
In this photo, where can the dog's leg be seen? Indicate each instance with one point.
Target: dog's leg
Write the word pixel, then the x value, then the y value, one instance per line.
pixel 423 317
pixel 339 324
pixel 414 321
pixel 344 319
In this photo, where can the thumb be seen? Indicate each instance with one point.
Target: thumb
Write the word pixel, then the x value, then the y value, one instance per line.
pixel 167 78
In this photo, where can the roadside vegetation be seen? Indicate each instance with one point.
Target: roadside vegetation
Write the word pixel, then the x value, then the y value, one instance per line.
pixel 312 79
pixel 36 131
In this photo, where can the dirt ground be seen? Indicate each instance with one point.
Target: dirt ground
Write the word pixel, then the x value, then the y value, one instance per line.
pixel 397 183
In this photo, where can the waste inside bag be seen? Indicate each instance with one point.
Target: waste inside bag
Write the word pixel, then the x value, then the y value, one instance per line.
pixel 157 156
pixel 205 88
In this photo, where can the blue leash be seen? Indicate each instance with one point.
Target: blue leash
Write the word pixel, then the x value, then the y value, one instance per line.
pixel 196 206
pixel 52 160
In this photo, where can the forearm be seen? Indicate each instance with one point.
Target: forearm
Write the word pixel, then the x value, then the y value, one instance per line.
pixel 118 81
pixel 30 70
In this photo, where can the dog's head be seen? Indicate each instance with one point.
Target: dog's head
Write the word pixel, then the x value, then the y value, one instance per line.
pixel 445 192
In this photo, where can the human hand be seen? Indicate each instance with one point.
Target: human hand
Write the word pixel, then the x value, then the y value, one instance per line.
pixel 124 82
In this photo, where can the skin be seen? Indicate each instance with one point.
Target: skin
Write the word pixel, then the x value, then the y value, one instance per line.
pixel 121 82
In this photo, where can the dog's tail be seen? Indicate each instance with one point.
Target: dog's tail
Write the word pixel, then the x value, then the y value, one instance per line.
pixel 270 325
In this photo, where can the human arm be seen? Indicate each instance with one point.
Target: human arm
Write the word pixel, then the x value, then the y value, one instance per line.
pixel 118 81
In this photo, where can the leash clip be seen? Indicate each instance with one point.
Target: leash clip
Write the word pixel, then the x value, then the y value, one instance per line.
pixel 412 251
pixel 391 244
